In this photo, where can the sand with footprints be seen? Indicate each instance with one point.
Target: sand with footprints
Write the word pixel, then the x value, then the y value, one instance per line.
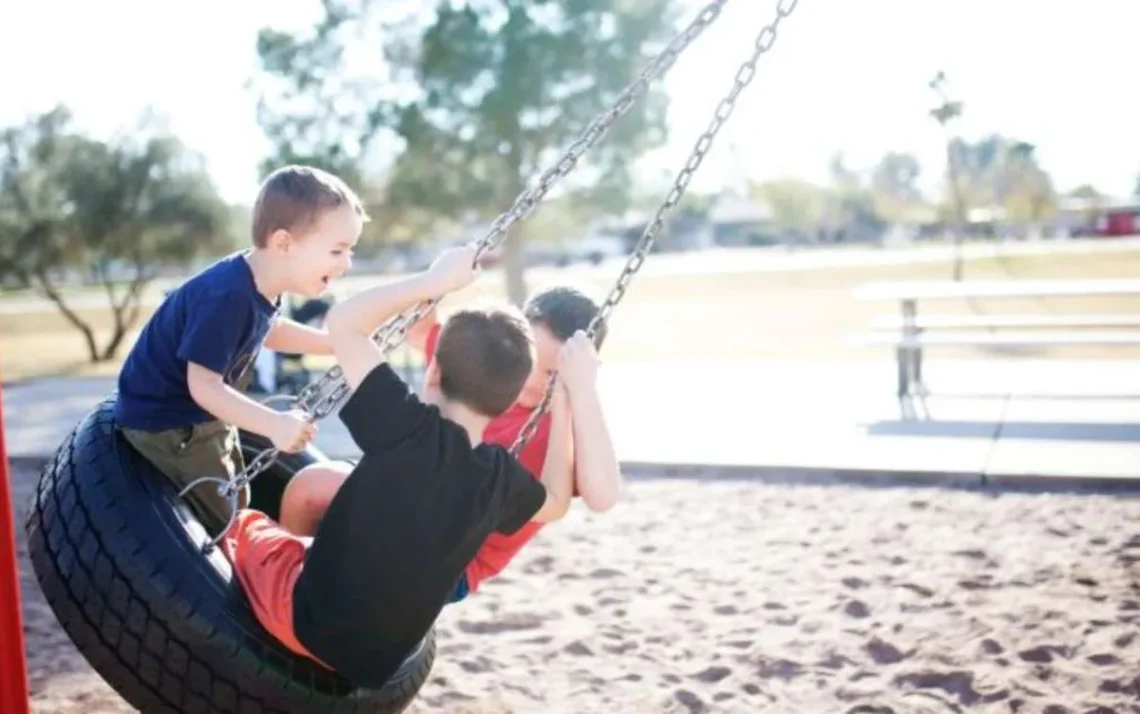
pixel 742 597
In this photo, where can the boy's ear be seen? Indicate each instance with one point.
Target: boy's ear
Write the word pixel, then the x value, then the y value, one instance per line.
pixel 431 375
pixel 280 239
pixel 431 392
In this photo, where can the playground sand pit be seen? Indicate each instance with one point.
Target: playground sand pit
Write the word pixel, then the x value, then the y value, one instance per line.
pixel 734 597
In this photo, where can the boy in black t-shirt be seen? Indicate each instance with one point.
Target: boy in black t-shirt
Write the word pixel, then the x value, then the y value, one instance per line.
pixel 361 594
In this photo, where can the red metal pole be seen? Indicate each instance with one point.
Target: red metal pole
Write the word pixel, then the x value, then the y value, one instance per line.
pixel 13 665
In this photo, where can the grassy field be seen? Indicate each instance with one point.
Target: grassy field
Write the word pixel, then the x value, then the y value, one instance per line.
pixel 727 306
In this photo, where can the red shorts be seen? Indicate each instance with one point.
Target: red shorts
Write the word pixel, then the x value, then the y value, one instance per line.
pixel 267 560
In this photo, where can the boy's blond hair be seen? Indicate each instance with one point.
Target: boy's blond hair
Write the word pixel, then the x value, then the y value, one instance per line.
pixel 292 197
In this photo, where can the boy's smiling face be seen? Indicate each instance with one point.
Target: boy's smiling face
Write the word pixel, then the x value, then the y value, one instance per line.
pixel 322 252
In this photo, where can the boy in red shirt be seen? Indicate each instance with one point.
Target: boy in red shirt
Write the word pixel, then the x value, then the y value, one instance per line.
pixel 362 592
pixel 554 315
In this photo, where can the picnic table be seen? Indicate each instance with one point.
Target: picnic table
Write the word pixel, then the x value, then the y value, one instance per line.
pixel 910 333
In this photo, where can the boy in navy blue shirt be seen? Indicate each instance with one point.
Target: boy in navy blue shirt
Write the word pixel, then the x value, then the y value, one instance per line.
pixel 180 399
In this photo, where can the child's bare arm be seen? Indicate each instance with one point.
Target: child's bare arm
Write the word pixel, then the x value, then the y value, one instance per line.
pixel 209 344
pixel 596 469
pixel 288 431
pixel 291 336
pixel 558 468
pixel 351 322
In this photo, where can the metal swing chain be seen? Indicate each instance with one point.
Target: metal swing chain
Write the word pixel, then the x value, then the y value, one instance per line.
pixel 320 398
pixel 395 330
pixel 744 75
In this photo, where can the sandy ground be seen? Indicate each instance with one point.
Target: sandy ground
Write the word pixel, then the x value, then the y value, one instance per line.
pixel 737 597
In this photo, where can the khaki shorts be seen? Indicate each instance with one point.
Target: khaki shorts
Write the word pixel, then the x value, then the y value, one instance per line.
pixel 186 454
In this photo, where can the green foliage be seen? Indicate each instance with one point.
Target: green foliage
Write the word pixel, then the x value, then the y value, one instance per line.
pixel 310 111
pixel 894 186
pixel 1004 172
pixel 849 204
pixel 113 211
pixel 481 97
pixel 797 206
pixel 852 201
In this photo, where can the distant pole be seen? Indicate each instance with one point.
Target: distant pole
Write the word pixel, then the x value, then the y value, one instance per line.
pixel 13 666
pixel 944 113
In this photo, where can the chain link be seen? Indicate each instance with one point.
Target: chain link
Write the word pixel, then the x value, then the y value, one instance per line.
pixel 529 198
pixel 320 398
pixel 744 75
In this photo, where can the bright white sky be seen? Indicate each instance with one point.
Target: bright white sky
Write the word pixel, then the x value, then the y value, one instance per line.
pixel 846 75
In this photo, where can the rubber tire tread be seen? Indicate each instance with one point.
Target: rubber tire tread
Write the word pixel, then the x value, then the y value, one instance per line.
pixel 164 624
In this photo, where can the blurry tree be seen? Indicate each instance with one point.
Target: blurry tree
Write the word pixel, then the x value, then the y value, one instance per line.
pixel 404 223
pixel 849 210
pixel 1023 188
pixel 560 219
pixel 1093 202
pixel 1136 189
pixel 998 171
pixel 797 206
pixel 113 211
pixel 894 187
pixel 692 203
pixel 1087 192
pixel 480 97
pixel 311 111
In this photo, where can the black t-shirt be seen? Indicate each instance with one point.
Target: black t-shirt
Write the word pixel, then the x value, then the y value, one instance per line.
pixel 401 530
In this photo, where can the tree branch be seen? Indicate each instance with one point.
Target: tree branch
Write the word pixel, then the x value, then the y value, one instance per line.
pixel 132 298
pixel 108 284
pixel 54 295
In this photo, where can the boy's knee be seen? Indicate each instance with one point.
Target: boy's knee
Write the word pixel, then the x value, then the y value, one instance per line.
pixel 309 493
pixel 328 468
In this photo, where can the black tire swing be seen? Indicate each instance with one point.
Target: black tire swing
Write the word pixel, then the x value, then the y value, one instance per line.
pixel 132 575
pixel 116 553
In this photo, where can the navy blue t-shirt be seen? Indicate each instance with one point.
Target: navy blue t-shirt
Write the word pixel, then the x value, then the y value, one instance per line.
pixel 216 319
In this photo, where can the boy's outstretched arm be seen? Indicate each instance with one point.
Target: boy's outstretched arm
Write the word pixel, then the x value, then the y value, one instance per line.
pixel 580 445
pixel 289 431
pixel 288 335
pixel 209 344
pixel 351 322
pixel 558 468
pixel 596 469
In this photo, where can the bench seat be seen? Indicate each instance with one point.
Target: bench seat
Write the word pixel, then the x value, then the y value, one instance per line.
pixel 963 338
pixel 1008 321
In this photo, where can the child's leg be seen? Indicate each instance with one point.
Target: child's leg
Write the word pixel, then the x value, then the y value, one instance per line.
pixel 308 495
pixel 267 561
pixel 188 454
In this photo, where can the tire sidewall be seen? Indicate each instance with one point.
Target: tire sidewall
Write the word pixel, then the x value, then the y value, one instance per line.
pixel 119 557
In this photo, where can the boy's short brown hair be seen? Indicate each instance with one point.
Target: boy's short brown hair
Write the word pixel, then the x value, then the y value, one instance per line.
pixel 564 310
pixel 292 197
pixel 484 358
